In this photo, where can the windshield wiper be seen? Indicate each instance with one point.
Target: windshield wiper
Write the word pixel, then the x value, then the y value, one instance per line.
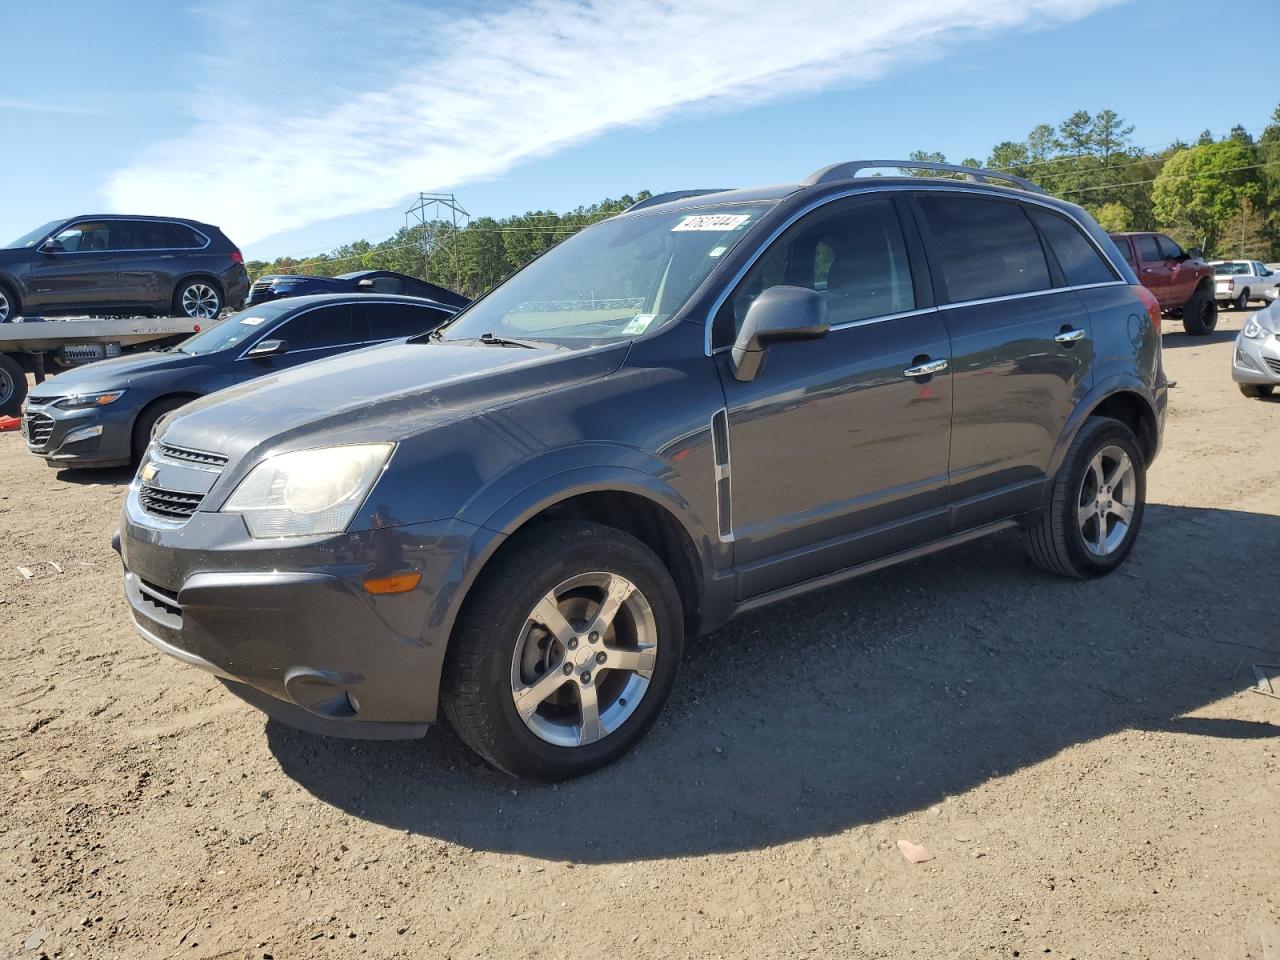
pixel 489 338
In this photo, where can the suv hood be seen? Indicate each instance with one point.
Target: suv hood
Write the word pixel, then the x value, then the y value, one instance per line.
pixel 382 393
pixel 113 374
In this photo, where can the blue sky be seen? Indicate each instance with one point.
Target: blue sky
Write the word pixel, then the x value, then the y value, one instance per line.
pixel 306 125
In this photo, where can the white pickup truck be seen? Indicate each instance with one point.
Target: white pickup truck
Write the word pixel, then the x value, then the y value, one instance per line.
pixel 1236 282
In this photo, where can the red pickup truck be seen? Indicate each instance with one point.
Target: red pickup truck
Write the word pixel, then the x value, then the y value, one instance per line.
pixel 1180 279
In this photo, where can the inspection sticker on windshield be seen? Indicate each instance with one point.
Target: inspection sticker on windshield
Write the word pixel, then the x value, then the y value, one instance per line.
pixel 639 323
pixel 253 321
pixel 718 222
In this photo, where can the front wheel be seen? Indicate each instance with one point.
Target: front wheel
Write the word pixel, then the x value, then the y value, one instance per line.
pixel 1096 504
pixel 1200 315
pixel 198 299
pixel 13 387
pixel 1257 391
pixel 565 652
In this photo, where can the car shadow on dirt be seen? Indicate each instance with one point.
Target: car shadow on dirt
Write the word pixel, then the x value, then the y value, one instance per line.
pixel 864 702
pixel 103 476
pixel 1173 340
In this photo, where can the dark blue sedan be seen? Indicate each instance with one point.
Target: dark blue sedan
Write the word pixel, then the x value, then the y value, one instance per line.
pixel 101 415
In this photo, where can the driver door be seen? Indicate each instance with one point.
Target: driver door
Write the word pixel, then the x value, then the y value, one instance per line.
pixel 836 456
pixel 82 275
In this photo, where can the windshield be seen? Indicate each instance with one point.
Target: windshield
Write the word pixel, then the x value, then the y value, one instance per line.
pixel 34 237
pixel 612 281
pixel 236 329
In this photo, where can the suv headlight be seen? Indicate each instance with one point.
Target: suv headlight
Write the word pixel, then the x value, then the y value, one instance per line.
pixel 86 400
pixel 308 492
pixel 1253 329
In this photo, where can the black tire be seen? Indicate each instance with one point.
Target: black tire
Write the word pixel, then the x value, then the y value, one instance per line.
pixel 13 386
pixel 10 306
pixel 146 422
pixel 1200 314
pixel 199 298
pixel 1055 540
pixel 1257 391
pixel 1242 302
pixel 477 687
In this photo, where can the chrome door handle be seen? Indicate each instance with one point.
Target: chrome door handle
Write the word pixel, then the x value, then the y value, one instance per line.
pixel 1069 336
pixel 925 369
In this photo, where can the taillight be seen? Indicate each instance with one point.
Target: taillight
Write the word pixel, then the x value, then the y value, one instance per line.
pixel 1231 283
pixel 237 257
pixel 1152 304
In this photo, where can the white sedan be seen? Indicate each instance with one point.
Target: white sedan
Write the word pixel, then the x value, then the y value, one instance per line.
pixel 1237 282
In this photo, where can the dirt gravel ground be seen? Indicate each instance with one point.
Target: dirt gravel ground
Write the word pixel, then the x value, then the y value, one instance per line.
pixel 1085 762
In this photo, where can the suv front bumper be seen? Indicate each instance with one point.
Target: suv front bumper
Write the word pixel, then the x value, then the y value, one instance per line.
pixel 290 619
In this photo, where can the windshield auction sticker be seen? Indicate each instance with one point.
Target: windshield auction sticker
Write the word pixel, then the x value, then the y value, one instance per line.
pixel 252 321
pixel 719 222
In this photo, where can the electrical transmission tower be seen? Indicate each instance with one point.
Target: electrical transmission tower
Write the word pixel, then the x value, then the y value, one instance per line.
pixel 435 214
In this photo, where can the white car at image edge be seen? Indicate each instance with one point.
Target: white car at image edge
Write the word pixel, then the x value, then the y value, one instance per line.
pixel 1236 282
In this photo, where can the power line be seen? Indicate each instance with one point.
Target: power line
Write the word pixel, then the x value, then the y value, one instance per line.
pixel 1177 176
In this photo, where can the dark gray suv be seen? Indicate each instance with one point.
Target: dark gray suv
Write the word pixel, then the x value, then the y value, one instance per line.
pixel 706 404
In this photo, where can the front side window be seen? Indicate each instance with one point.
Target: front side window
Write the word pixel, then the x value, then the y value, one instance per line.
pixel 390 321
pixel 86 237
pixel 612 281
pixel 1079 259
pixel 1168 249
pixel 987 248
pixel 851 252
pixel 1148 251
pixel 321 327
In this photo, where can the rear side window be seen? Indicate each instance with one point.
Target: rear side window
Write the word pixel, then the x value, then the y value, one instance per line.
pixel 988 248
pixel 1122 244
pixel 388 321
pixel 1080 261
pixel 852 252
pixel 322 327
pixel 181 236
pixel 1148 252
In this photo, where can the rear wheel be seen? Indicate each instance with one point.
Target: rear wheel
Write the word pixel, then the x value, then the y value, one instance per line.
pixel 1257 391
pixel 13 386
pixel 565 652
pixel 1096 504
pixel 199 299
pixel 1242 302
pixel 1200 314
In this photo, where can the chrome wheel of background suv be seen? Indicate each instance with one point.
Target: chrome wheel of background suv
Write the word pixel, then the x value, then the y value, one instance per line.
pixel 584 659
pixel 201 301
pixel 6 306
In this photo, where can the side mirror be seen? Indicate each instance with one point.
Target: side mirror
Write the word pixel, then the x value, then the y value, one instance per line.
pixel 268 348
pixel 779 314
pixel 52 245
pixel 1195 253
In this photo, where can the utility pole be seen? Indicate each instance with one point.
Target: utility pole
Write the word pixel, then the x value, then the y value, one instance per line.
pixel 433 213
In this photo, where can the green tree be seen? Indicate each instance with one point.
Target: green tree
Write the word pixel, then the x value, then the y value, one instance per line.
pixel 1204 186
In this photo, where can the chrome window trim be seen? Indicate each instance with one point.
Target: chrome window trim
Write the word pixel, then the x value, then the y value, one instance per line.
pixel 709 321
pixel 76 223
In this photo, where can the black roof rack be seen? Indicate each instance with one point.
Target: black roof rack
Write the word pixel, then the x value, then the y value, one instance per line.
pixel 846 171
pixel 670 196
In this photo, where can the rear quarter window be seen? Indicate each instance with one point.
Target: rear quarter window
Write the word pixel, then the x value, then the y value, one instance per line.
pixel 987 248
pixel 1079 259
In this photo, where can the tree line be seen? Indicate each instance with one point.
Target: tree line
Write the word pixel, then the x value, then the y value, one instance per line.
pixel 1218 193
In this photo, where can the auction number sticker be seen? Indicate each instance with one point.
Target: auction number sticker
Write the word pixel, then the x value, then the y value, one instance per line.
pixel 253 321
pixel 719 222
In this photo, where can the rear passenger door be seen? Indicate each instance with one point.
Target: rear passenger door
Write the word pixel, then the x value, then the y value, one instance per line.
pixel 1021 340
pixel 395 321
pixel 836 455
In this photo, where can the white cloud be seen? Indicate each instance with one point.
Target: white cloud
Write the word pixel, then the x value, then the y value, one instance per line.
pixel 485 91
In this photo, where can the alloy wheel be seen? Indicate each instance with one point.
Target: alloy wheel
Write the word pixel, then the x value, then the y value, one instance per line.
pixel 1108 496
pixel 5 306
pixel 7 387
pixel 584 659
pixel 200 301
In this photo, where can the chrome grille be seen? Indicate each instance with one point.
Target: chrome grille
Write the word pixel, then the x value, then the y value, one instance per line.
pixel 1273 364
pixel 169 504
pixel 39 429
pixel 200 458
